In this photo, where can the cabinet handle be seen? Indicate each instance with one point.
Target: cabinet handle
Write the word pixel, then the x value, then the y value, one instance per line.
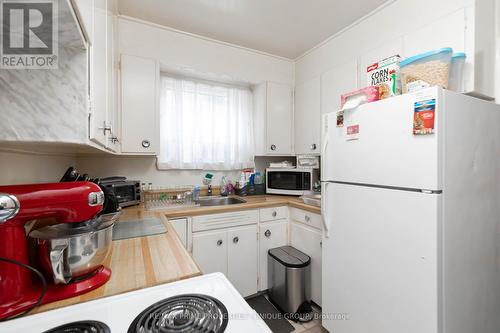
pixel 307 218
pixel 273 147
pixel 219 242
pixel 267 233
pixel 274 214
pixel 146 143
pixel 321 244
pixel 106 128
pixel 314 146
pixel 236 240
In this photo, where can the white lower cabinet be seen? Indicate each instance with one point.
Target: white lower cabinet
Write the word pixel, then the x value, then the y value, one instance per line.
pixel 181 228
pixel 236 244
pixel 230 250
pixel 210 251
pixel 242 259
pixel 308 240
pixel 271 235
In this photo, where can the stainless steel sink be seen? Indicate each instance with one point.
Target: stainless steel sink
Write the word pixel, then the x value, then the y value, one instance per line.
pixel 220 201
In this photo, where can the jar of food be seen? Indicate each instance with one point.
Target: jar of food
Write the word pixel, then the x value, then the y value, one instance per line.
pixel 457 72
pixel 426 70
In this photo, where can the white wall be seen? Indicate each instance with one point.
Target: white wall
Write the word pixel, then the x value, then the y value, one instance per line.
pixel 29 168
pixel 406 27
pixel 143 168
pixel 191 54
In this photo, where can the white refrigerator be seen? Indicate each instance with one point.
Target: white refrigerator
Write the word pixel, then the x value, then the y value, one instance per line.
pixel 410 202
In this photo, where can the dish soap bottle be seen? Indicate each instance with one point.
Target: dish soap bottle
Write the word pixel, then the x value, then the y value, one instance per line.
pixel 223 187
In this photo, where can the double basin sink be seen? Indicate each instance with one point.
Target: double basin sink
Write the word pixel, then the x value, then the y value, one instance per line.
pixel 219 201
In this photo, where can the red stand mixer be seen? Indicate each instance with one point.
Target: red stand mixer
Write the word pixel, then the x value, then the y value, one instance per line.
pixel 66 256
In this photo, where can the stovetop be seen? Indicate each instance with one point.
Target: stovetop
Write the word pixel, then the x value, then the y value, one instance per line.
pixel 83 326
pixel 207 303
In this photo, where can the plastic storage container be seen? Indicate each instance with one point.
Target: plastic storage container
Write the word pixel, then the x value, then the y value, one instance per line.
pixel 457 72
pixel 426 70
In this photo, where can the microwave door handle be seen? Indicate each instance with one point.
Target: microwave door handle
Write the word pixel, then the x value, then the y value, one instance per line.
pixel 324 217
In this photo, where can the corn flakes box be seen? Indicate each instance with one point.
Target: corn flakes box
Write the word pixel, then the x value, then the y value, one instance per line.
pixel 385 75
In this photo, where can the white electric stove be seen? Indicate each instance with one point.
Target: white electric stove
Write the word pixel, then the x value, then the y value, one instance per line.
pixel 207 303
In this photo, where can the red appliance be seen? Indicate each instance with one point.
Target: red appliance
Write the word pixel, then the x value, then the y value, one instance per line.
pixel 75 202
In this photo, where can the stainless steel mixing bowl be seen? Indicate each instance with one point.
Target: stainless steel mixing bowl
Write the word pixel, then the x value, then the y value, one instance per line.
pixel 72 250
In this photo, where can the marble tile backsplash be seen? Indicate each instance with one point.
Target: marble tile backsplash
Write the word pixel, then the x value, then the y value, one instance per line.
pixel 46 105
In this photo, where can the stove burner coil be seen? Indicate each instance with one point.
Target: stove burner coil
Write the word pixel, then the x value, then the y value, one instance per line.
pixel 189 313
pixel 85 326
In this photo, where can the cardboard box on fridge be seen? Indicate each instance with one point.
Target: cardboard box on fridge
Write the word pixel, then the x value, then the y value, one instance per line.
pixel 385 75
pixel 371 94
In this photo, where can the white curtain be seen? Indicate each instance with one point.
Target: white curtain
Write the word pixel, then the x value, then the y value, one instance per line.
pixel 205 126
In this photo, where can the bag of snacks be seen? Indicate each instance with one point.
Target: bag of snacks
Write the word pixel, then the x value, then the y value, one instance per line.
pixel 385 75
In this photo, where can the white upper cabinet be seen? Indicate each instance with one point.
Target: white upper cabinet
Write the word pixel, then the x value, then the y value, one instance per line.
pixel 140 132
pixel 97 21
pixel 273 118
pixel 99 127
pixel 85 12
pixel 112 58
pixel 307 117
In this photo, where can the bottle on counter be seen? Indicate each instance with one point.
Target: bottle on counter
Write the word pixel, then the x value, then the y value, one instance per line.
pixel 196 193
pixel 223 186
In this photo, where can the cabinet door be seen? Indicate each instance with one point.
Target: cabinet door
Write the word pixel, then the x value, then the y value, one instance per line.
pixel 180 227
pixel 259 118
pixel 210 251
pixel 139 126
pixel 113 139
pixel 308 241
pixel 307 117
pixel 279 119
pixel 271 235
pixel 242 259
pixel 98 127
pixel 85 12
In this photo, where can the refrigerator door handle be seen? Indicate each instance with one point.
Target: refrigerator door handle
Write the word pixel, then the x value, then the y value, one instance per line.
pixel 323 151
pixel 324 217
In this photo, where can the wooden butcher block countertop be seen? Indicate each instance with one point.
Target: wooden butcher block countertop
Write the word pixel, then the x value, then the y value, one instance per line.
pixel 148 261
pixel 138 263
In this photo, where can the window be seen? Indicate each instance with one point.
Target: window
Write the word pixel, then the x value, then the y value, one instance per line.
pixel 205 126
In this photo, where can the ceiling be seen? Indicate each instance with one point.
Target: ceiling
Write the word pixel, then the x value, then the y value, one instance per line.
pixel 286 28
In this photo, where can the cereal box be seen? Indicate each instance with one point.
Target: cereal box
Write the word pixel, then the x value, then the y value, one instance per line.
pixel 385 74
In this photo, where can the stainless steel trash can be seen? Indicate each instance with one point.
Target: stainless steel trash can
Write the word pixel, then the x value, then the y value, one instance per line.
pixel 289 278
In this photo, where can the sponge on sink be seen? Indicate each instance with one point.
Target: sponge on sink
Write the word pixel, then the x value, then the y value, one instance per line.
pixel 208 179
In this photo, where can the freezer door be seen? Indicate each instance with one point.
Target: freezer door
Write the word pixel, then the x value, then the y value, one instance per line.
pixel 380 261
pixel 385 151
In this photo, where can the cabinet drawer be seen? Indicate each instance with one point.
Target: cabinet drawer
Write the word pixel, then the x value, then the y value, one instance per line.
pixel 224 220
pixel 305 217
pixel 273 213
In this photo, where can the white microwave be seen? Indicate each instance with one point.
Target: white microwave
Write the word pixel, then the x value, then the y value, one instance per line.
pixel 291 181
